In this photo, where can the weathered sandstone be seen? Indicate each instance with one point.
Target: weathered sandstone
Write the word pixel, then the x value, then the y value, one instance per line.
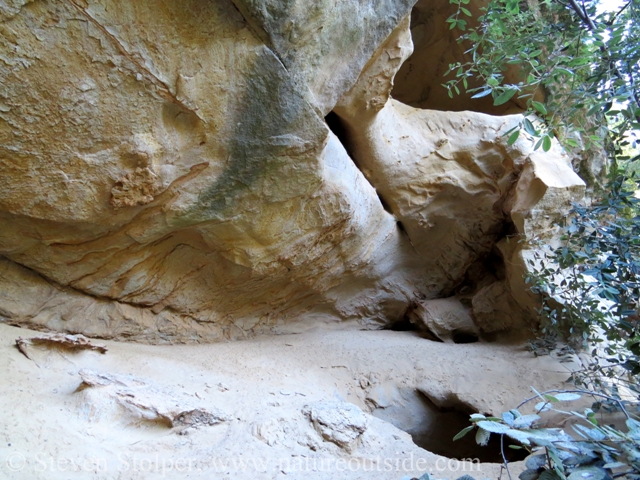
pixel 169 174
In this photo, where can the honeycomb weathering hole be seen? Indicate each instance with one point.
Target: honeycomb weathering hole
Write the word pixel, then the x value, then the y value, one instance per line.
pixel 433 429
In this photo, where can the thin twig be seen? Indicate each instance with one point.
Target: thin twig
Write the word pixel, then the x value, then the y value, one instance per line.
pixel 504 457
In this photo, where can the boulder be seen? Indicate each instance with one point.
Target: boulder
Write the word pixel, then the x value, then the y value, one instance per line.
pixel 494 309
pixel 130 401
pixel 447 319
pixel 169 164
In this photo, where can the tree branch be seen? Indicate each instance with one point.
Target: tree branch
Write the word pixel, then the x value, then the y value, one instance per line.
pixel 582 13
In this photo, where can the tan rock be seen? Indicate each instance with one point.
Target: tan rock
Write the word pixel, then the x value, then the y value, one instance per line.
pixel 176 168
pixel 445 318
pixel 543 196
pixel 453 183
pixel 124 399
pixel 338 422
pixel 437 46
pixel 169 175
pixel 494 309
pixel 443 175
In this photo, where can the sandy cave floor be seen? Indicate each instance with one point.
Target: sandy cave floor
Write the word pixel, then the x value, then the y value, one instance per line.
pixel 49 430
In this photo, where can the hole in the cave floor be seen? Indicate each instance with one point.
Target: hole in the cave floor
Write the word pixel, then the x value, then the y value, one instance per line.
pixel 433 429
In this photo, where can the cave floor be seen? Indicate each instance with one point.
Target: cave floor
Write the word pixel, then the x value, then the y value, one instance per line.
pixel 51 429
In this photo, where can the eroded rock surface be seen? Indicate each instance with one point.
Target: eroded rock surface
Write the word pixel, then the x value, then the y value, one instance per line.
pixel 446 319
pixel 131 401
pixel 169 175
pixel 338 422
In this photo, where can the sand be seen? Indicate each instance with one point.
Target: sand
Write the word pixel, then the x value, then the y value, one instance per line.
pixel 259 389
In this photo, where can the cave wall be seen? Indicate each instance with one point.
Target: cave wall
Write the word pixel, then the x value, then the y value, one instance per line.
pixel 169 175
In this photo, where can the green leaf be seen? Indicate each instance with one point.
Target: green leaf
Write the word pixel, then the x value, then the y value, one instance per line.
pixel 588 473
pixel 535 462
pixel 476 417
pixel 505 96
pixel 540 107
pixel 525 421
pixel 529 128
pixel 483 93
pixel 529 474
pixel 519 436
pixel 463 432
pixel 493 427
pixel 591 433
pixel 508 417
pixel 546 143
pixel 513 137
pixel 482 437
pixel 465 11
pixel 567 396
pixel 549 475
pixel 632 424
pixel 537 145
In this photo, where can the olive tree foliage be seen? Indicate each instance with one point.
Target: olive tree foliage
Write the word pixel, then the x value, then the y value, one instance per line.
pixel 573 63
pixel 590 285
pixel 586 449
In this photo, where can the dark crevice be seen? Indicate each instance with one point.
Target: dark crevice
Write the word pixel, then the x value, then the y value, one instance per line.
pixel 403 325
pixel 463 337
pixel 340 130
pixel 385 205
pixel 258 32
pixel 433 428
pixel 486 269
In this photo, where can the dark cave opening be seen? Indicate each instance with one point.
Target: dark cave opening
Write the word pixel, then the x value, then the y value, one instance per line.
pixel 403 325
pixel 339 129
pixel 433 429
pixel 464 337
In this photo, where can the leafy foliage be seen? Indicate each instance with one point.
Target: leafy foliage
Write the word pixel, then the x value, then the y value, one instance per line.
pixel 577 68
pixel 590 285
pixel 594 451
pixel 571 65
